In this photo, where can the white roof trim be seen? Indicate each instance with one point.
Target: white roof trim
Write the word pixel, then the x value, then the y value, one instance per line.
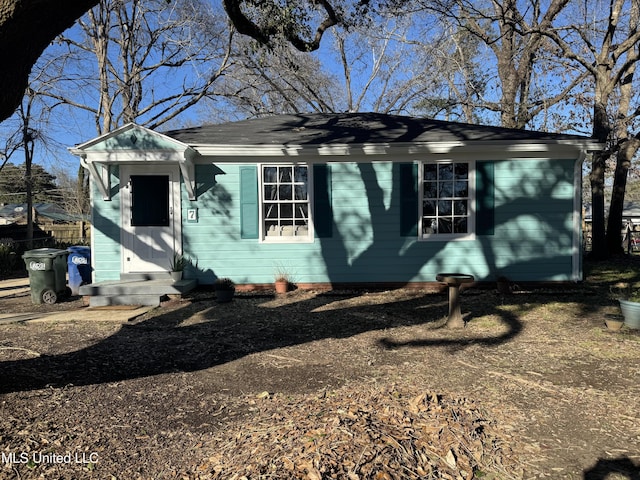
pixel 500 148
pixel 98 161
pixel 119 131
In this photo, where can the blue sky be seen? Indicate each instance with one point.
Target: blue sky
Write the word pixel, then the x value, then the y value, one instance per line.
pixel 68 127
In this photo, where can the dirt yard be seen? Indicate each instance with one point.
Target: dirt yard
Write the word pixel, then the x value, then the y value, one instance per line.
pixel 315 385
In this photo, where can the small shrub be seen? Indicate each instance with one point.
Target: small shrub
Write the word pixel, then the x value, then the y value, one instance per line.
pixel 224 284
pixel 8 256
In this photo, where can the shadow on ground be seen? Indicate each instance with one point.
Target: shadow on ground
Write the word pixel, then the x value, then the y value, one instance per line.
pixel 201 334
pixel 623 467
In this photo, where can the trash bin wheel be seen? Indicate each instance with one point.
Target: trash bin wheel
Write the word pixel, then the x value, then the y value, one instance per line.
pixel 49 297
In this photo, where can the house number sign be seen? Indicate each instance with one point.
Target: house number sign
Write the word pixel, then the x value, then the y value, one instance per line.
pixel 192 215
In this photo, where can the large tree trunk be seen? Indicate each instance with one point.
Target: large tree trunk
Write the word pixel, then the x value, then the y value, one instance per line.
pixel 601 130
pixel 27 27
pixel 614 224
pixel 628 144
pixel 596 179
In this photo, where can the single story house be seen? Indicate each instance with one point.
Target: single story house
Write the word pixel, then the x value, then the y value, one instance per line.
pixel 353 198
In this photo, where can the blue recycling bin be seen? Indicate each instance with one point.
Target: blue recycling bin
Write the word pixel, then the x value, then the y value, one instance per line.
pixel 79 267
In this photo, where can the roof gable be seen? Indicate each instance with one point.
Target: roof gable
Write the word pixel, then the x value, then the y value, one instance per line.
pixel 131 137
pixel 131 144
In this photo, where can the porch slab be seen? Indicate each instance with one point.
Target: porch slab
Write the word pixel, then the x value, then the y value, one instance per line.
pixel 135 291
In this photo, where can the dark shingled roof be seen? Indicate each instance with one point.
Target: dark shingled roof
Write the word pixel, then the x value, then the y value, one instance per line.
pixel 350 128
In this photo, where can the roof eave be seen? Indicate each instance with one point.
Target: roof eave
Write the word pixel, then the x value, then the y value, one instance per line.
pixel 501 148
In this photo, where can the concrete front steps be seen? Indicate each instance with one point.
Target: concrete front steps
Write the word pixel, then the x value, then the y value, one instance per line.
pixel 138 289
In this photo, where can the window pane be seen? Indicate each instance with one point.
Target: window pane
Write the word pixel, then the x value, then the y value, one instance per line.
pixel 270 192
pixel 429 207
pixel 462 170
pixel 270 175
pixel 429 225
pixel 285 174
pixel 446 190
pixel 460 207
pixel 287 229
pixel 285 192
pixel 286 210
pixel 445 171
pixel 301 192
pixel 302 210
pixel 271 228
pixel 430 171
pixel 271 210
pixel 300 174
pixel 430 190
pixel 444 207
pixel 462 189
pixel 460 225
pixel 149 200
pixel 444 225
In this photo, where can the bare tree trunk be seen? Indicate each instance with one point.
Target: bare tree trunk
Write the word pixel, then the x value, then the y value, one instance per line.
pixel 601 131
pixel 628 145
pixel 614 224
pixel 596 180
pixel 28 157
pixel 82 191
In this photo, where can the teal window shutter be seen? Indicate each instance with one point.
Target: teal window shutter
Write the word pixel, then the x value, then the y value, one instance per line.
pixel 322 211
pixel 249 206
pixel 408 175
pixel 485 198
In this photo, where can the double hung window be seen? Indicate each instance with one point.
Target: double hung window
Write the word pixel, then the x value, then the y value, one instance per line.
pixel 285 203
pixel 446 190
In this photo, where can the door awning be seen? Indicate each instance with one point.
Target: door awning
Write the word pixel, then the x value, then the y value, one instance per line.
pixel 135 145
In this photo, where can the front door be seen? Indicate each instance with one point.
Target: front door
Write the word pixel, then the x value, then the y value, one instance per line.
pixel 150 217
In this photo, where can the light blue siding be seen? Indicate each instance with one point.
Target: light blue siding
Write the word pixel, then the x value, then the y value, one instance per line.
pixel 105 236
pixel 532 239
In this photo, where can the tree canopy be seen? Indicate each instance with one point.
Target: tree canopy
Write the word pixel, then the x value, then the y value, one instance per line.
pixel 13 184
pixel 33 25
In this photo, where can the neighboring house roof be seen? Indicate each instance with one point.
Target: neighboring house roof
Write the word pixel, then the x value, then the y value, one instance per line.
pixel 12 212
pixel 347 128
pixel 631 210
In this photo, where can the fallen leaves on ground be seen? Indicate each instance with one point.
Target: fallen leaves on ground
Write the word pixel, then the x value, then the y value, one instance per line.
pixel 380 434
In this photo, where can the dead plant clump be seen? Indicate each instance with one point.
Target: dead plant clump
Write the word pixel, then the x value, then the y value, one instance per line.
pixel 381 434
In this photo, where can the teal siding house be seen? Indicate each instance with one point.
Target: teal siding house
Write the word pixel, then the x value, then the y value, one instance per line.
pixel 337 199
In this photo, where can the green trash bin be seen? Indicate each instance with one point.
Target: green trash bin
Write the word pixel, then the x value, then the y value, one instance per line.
pixel 47 269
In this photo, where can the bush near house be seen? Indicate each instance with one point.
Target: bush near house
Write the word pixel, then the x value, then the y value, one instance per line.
pixel 8 256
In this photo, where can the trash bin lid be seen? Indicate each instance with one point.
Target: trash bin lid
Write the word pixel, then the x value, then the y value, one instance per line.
pixel 83 249
pixel 44 253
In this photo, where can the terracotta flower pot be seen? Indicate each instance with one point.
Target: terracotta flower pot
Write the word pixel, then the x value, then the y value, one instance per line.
pixel 282 286
pixel 613 323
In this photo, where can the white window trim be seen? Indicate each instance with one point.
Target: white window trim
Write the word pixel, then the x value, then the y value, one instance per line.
pixel 264 238
pixel 446 237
